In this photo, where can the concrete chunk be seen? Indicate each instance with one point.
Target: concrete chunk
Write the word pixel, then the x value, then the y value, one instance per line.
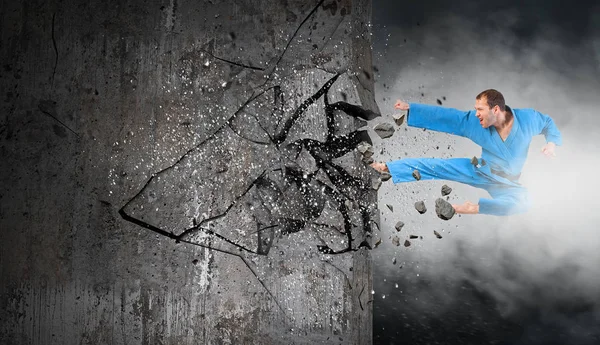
pixel 420 206
pixel 378 242
pixel 384 130
pixel 385 176
pixel 396 241
pixel 444 209
pixel 417 175
pixel 399 225
pixel 446 190
pixel 376 183
pixel 437 234
pixel 399 119
pixel 365 149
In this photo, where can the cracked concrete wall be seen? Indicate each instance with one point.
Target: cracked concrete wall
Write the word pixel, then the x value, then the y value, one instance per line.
pixel 184 172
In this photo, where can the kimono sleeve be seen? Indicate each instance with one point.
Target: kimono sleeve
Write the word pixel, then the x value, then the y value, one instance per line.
pixel 447 120
pixel 543 124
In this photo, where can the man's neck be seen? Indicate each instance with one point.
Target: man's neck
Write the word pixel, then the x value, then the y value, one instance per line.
pixel 505 119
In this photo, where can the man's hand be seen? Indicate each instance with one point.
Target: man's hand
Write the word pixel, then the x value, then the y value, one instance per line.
pixel 548 150
pixel 401 105
pixel 466 208
pixel 381 167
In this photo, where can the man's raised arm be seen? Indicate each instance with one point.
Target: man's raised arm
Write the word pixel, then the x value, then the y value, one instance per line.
pixel 546 126
pixel 447 120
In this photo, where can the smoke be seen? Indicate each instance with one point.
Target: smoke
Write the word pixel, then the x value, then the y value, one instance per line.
pixel 533 278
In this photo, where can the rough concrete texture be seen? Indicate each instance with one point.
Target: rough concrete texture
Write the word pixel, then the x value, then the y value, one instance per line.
pixel 185 172
pixel 420 207
pixel 444 209
pixel 384 130
pixel 446 190
pixel 399 225
pixel 398 119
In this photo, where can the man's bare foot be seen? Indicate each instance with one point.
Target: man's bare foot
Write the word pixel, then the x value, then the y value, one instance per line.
pixel 381 167
pixel 466 208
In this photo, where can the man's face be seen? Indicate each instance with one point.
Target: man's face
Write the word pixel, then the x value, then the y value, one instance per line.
pixel 486 116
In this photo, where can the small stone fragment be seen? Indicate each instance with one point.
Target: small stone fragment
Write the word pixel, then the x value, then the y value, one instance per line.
pixel 446 190
pixel 367 160
pixel 396 241
pixel 417 175
pixel 412 237
pixel 444 209
pixel 437 234
pixel 195 261
pixel 385 176
pixel 407 243
pixel 420 206
pixel 474 161
pixel 384 130
pixel 378 242
pixel 390 207
pixel 399 225
pixel 399 119
pixel 439 102
pixel 394 260
pixel 365 149
pixel 376 183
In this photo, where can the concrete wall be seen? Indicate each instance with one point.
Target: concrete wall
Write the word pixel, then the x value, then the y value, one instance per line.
pixel 164 178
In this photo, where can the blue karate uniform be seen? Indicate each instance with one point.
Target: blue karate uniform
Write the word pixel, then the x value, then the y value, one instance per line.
pixel 500 165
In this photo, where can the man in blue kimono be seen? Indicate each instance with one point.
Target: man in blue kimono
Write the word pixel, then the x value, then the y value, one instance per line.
pixel 504 135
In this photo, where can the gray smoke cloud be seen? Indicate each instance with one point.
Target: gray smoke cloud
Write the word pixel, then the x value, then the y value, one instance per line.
pixel 541 269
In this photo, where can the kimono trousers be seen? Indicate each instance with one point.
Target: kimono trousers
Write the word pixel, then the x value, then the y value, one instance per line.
pixel 498 169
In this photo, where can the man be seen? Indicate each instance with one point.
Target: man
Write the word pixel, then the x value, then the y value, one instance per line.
pixel 504 135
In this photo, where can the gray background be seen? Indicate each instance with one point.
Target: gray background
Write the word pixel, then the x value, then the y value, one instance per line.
pixel 527 279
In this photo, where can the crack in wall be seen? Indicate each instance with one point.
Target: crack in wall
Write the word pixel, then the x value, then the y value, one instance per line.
pixel 158 116
pixel 313 11
pixel 48 107
pixel 234 63
pixel 282 135
pixel 346 186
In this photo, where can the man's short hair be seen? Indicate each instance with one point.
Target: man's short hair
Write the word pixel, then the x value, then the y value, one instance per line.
pixel 493 97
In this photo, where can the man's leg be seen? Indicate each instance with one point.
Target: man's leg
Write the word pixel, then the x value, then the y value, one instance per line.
pixel 506 201
pixel 453 169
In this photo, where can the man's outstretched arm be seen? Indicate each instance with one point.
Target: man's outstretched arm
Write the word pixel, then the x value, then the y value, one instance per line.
pixel 440 119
